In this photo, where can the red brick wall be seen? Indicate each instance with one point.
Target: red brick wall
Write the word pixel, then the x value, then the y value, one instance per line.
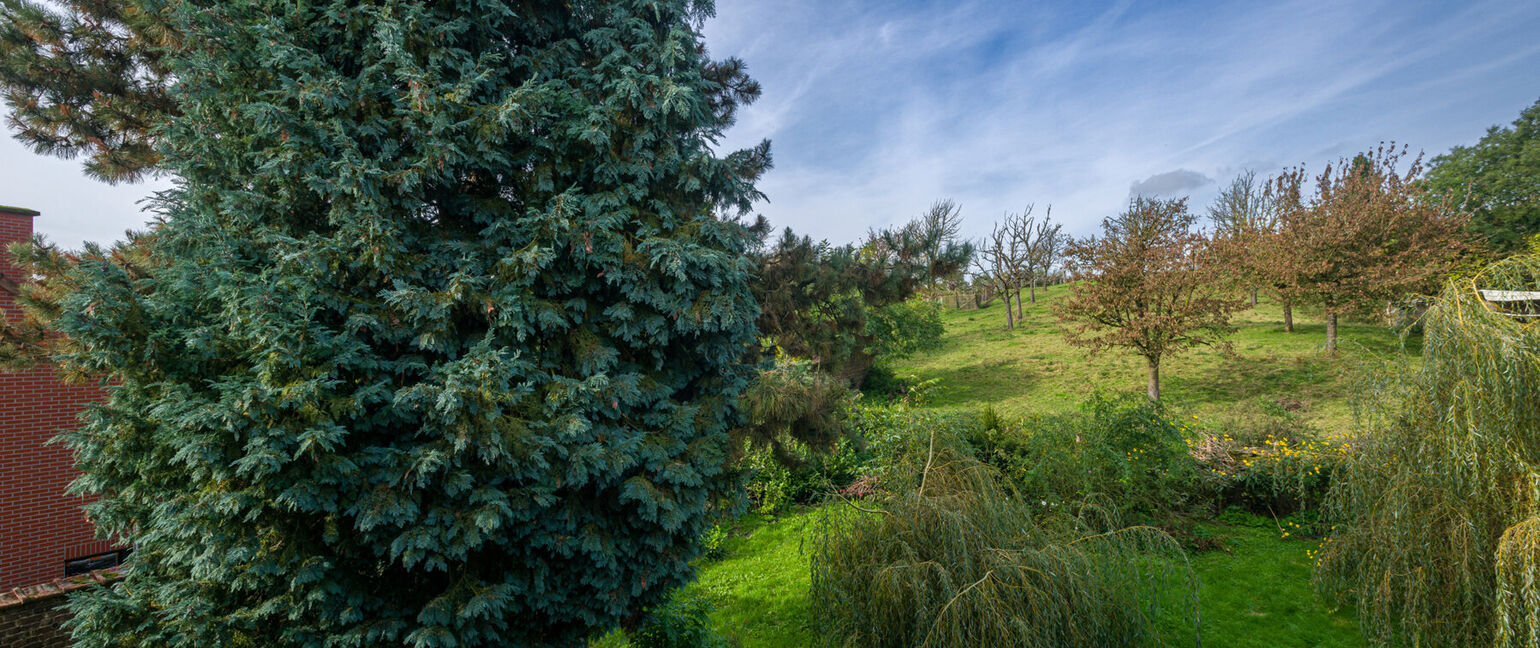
pixel 40 526
pixel 13 228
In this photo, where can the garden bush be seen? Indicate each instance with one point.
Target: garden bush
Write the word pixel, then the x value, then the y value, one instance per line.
pixel 1125 449
pixel 877 431
pixel 774 486
pixel 1268 459
pixel 883 386
pixel 1275 475
pixel 684 621
pixel 948 554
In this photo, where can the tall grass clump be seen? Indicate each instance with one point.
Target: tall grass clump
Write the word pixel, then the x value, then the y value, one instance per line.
pixel 1437 536
pixel 947 554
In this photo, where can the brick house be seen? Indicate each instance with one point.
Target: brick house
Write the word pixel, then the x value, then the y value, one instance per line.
pixel 44 535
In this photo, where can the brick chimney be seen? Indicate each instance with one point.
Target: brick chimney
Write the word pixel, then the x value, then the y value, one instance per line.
pixel 15 227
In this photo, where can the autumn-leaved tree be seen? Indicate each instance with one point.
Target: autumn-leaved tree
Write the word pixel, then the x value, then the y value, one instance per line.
pixel 1148 284
pixel 1369 234
pixel 1278 250
pixel 440 338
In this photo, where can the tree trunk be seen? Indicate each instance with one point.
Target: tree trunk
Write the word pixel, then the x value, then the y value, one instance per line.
pixel 1331 333
pixel 1253 296
pixel 1033 291
pixel 1019 311
pixel 1010 320
pixel 1154 386
pixel 1288 317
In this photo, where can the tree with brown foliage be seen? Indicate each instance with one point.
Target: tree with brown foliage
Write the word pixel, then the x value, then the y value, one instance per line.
pixel 1278 251
pixel 1149 284
pixel 1369 235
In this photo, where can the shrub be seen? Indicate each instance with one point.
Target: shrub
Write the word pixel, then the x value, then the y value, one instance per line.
pixel 794 410
pixel 1276 475
pixel 900 329
pixel 882 386
pixel 711 542
pixel 774 486
pixel 876 433
pixel 949 555
pixel 1126 449
pixel 1435 516
pixel 684 621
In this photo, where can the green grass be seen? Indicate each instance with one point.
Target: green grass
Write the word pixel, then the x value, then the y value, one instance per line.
pixel 1032 369
pixel 760 586
pixel 1259 594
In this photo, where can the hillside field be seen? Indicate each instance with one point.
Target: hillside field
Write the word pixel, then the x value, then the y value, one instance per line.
pixel 1031 369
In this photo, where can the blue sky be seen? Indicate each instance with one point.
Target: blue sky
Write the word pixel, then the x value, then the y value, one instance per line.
pixel 875 109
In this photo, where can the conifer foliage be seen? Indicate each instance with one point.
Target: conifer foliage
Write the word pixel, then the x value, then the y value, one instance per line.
pixel 439 341
pixel 88 77
pixel 826 303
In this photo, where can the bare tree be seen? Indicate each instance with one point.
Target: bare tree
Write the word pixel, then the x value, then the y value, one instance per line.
pixel 998 260
pixel 1243 216
pixel 1043 243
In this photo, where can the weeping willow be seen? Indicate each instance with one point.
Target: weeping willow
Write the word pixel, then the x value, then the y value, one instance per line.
pixel 1437 539
pixel 949 556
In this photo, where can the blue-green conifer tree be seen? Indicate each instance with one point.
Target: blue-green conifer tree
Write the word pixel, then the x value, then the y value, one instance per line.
pixel 438 339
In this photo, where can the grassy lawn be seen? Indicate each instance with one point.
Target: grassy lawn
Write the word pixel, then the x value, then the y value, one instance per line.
pixel 1259 594
pixel 760 586
pixel 1031 369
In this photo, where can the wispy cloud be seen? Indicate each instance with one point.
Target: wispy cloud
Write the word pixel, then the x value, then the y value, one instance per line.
pixel 877 109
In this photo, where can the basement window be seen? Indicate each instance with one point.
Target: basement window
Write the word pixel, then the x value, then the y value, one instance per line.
pixel 88 564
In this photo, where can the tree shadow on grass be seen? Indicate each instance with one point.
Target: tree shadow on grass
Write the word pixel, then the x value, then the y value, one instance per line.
pixel 987 381
pixel 1306 374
